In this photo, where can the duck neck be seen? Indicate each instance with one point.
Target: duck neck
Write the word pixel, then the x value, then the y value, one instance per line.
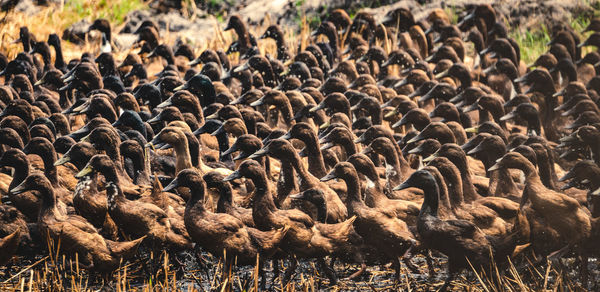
pixel 353 192
pixel 59 61
pixel 196 199
pixel 546 173
pixel 502 184
pixel 321 210
pixel 392 169
pixel 286 183
pixel 306 180
pixel 21 171
pixel 50 170
pixel 115 155
pixel 333 41
pixel 348 145
pixel 183 159
pixel 223 143
pixel 469 193
pixel 376 116
pixel 593 175
pixel 316 164
pixel 287 114
pixel 263 204
pixel 169 57
pixel 48 207
pixel 140 168
pixel 225 197
pixel 454 186
pixel 113 193
pixel 431 201
pixel 269 77
pixel 374 191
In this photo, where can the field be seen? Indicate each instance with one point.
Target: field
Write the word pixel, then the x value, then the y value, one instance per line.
pixel 198 271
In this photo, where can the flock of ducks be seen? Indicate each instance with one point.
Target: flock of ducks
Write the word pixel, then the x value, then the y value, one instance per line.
pixel 377 141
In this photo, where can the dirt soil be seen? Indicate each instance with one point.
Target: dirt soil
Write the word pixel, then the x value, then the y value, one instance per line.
pixel 524 14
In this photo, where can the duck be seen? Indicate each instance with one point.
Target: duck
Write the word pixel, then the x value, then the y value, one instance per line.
pixel 283 150
pixel 375 196
pixel 236 241
pixel 462 241
pixel 225 204
pixel 135 218
pixel 267 216
pixel 541 205
pixel 75 233
pixel 384 231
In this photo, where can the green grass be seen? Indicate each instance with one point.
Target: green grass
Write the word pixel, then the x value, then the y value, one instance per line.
pixel 531 42
pixel 114 11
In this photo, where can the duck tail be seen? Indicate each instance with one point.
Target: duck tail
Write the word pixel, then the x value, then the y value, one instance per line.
pixel 125 249
pixel 269 240
pixel 505 246
pixel 9 245
pixel 347 226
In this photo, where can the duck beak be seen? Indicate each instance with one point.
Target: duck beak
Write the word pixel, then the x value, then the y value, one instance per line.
pixel 401 186
pixel 85 171
pixel 39 82
pixel 154 120
pixel 324 125
pixel 64 159
pixel 286 136
pixel 562 92
pixel 212 116
pixel 568 185
pixel 316 108
pixel 401 83
pixel 442 74
pixel 165 103
pixel 360 139
pixel 234 175
pixel 416 138
pixel 496 166
pixel 21 188
pixel 475 150
pixel 298 196
pixel 484 51
pixel 472 107
pixel 391 113
pixel 425 97
pixel 327 145
pixel 149 145
pixel 172 186
pixel 568 175
pixel 239 100
pixel 219 131
pixel 241 68
pixel 260 153
pixel 508 116
pixel 194 62
pixel 241 156
pixel 487 70
pixel 430 157
pixel 181 87
pixel 69 78
pixel 86 138
pixel 331 175
pixel 231 149
pixel 258 102
pixel 367 150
